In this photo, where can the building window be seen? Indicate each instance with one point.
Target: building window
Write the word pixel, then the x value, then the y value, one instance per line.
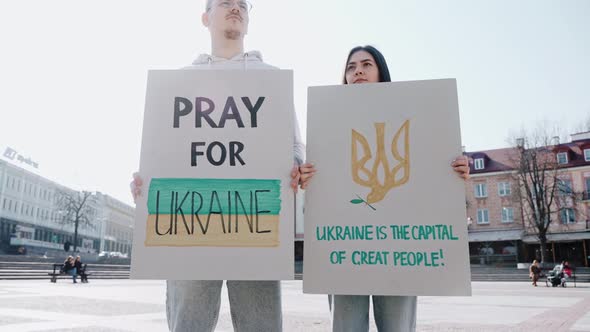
pixel 562 158
pixel 504 189
pixel 479 163
pixel 587 194
pixel 564 187
pixel 481 190
pixel 587 154
pixel 4 204
pixel 567 216
pixel 507 214
pixel 482 216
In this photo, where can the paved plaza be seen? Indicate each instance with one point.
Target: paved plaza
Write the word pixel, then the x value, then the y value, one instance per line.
pixel 126 305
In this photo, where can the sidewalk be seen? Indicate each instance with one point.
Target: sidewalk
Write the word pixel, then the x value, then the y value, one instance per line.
pixel 126 305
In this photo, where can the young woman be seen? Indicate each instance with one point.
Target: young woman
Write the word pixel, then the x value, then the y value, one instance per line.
pixel 365 64
pixel 70 268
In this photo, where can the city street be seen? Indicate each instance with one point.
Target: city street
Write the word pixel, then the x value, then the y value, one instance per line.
pixel 127 305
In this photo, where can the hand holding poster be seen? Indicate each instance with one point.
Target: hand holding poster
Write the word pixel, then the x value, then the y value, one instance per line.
pixel 385 215
pixel 216 155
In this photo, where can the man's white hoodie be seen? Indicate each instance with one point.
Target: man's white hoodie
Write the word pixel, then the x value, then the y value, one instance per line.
pixel 248 61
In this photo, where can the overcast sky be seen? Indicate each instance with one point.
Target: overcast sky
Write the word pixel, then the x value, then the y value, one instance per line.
pixel 73 73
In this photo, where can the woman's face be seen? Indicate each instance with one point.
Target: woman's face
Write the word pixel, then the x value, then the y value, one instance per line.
pixel 361 68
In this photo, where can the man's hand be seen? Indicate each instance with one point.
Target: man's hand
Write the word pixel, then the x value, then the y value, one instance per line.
pixel 136 185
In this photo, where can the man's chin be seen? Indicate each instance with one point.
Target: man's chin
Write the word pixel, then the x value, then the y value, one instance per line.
pixel 233 34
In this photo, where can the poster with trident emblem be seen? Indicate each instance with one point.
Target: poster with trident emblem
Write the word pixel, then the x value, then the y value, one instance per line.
pixel 385 213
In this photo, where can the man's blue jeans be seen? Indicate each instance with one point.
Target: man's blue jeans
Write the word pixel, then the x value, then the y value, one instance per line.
pixel 193 305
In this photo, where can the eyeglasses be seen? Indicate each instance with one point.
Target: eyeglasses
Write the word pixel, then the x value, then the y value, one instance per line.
pixel 244 5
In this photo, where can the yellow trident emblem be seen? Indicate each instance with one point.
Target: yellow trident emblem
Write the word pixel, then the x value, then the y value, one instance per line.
pixel 370 177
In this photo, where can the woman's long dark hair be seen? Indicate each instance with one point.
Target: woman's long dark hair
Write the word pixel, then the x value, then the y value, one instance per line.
pixel 379 60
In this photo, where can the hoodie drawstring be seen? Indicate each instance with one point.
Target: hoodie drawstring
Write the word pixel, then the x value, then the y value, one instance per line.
pixel 245 61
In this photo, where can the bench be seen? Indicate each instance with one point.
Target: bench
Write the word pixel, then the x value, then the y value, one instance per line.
pixel 57 271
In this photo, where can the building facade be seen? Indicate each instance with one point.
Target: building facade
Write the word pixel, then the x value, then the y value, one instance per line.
pixel 117 235
pixel 499 224
pixel 31 222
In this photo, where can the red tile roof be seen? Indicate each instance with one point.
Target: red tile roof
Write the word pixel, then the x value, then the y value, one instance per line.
pixel 499 160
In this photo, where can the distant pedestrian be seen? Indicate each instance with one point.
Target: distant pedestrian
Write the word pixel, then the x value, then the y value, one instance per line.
pixel 80 270
pixel 70 267
pixel 566 273
pixel 534 272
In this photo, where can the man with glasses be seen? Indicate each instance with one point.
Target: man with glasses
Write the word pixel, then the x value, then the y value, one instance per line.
pixel 193 305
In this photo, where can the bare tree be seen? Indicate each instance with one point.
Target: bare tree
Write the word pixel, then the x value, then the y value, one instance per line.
pixel 542 193
pixel 73 207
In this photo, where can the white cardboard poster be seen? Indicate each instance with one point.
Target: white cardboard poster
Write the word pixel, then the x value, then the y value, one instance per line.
pixel 385 213
pixel 216 157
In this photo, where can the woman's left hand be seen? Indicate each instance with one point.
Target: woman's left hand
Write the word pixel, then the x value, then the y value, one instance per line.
pixel 307 171
pixel 461 166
